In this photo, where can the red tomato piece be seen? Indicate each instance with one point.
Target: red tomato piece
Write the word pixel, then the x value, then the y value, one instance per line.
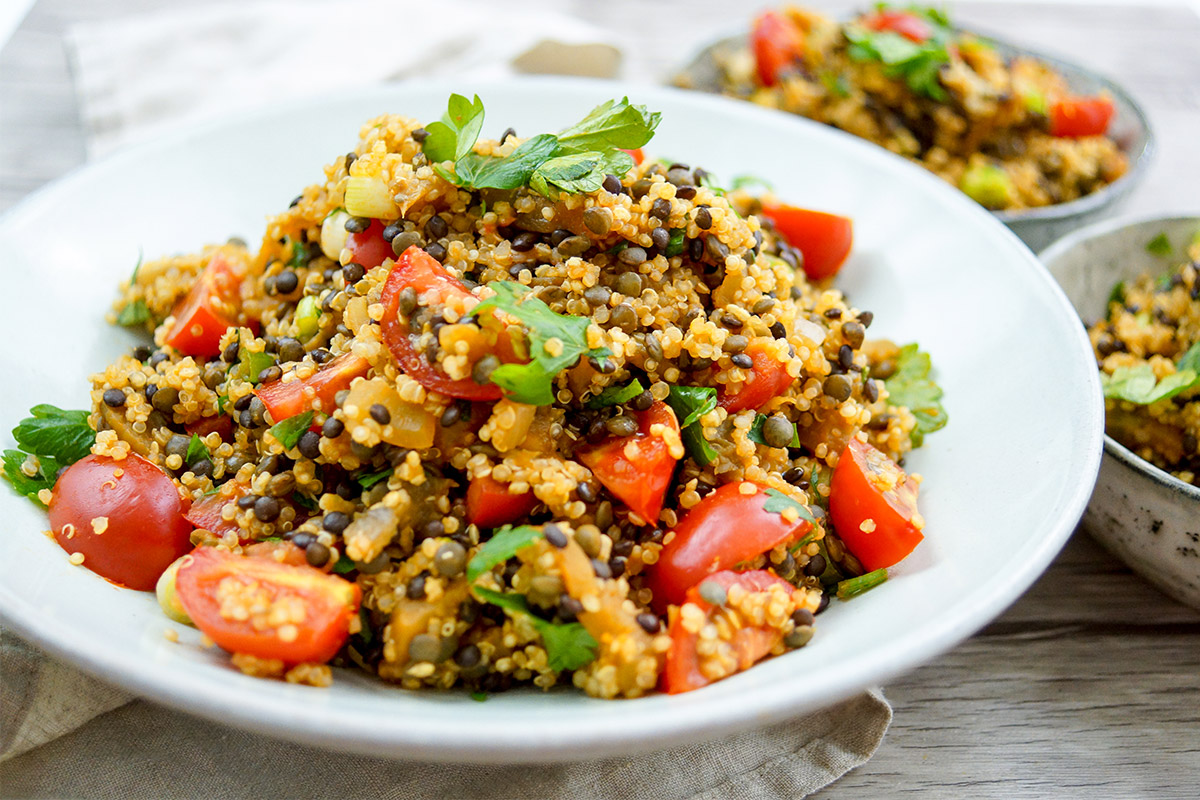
pixel 766 379
pixel 872 503
pixel 637 468
pixel 724 529
pixel 369 248
pixel 208 310
pixel 905 23
pixel 638 155
pixel 434 285
pixel 777 43
pixel 490 504
pixel 125 517
pixel 681 673
pixel 206 512
pixel 824 239
pixel 318 390
pixel 329 603
pixel 221 423
pixel 1076 117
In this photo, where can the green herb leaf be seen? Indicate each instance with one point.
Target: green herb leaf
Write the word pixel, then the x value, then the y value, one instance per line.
pixel 134 313
pixel 251 364
pixel 579 173
pixel 1139 385
pixel 504 544
pixel 612 124
pixel 690 403
pixel 370 479
pixel 779 502
pixel 852 587
pixel 835 83
pixel 456 134
pixel 196 450
pixel 1190 359
pixel 677 242
pixel 509 172
pixel 1159 246
pixel 344 564
pixel 918 64
pixel 755 432
pixel 911 387
pixel 1117 295
pixel 568 646
pixel 365 634
pixel 62 435
pixel 30 485
pixel 479 696
pixel 289 431
pixel 533 383
pixel 304 501
pixel 615 395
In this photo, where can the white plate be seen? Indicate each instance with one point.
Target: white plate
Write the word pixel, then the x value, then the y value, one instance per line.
pixel 1005 482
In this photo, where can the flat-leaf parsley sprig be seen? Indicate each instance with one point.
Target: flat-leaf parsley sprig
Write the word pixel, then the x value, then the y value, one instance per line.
pixel 576 160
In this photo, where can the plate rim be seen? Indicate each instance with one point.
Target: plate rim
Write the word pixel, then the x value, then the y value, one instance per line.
pixel 689 721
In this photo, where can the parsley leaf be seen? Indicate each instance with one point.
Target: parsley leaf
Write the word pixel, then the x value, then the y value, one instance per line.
pixel 510 172
pixel 1159 246
pixel 455 135
pixel 344 564
pixel 29 485
pixel 289 431
pixel 612 124
pixel 779 502
pixel 1190 359
pixel 196 450
pixel 579 173
pixel 568 646
pixel 304 501
pixel 1139 385
pixel 1117 295
pixel 676 243
pixel 533 383
pixel 65 436
pixel 503 545
pixel 690 403
pixel 372 478
pixel 918 64
pixel 911 387
pixel 134 313
pixel 615 395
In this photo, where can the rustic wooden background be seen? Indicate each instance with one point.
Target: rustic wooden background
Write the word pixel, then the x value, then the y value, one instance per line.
pixel 1087 686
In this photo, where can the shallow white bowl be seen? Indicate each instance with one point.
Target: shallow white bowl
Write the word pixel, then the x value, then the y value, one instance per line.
pixel 1142 514
pixel 1005 484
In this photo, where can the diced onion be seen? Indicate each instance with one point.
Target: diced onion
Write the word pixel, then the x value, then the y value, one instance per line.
pixel 369 197
pixel 333 233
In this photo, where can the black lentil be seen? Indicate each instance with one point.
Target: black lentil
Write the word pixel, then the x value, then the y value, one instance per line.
pixel 742 360
pixel 703 218
pixel 309 444
pixel 266 509
pixel 335 522
pixel 554 535
pixel 114 398
pixel 317 554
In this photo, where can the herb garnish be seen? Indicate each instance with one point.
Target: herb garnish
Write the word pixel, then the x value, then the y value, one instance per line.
pixel 690 403
pixel 568 646
pixel 503 545
pixel 556 342
pixel 755 432
pixel 251 363
pixel 615 395
pixel 911 387
pixel 1160 245
pixel 917 63
pixel 289 431
pixel 779 502
pixel 372 478
pixel 196 450
pixel 852 587
pixel 56 438
pixel 574 161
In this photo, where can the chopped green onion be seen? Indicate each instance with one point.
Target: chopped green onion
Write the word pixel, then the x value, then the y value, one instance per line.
pixel 308 317
pixel 987 185
pixel 853 587
pixel 369 197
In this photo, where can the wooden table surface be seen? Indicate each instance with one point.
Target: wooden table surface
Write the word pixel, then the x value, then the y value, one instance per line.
pixel 1087 686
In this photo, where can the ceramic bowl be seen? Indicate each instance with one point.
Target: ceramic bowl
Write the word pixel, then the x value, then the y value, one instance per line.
pixel 1037 227
pixel 1143 515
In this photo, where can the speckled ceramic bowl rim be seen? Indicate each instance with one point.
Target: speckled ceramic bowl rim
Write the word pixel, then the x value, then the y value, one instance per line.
pixel 1139 161
pixel 1076 239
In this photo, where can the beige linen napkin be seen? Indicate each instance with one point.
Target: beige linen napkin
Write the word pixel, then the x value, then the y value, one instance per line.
pixel 141 75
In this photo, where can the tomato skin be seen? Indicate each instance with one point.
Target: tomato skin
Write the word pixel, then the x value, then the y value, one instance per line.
pixel 824 239
pixel 206 512
pixel 146 527
pixel 639 481
pixel 221 424
pixel 201 317
pixel 724 529
pixel 329 604
pixel 285 400
pixel 369 248
pixel 1076 117
pixel 638 155
pixel 777 43
pixel 681 673
pixel 490 504
pixel 433 284
pixel 767 378
pixel 859 491
pixel 905 23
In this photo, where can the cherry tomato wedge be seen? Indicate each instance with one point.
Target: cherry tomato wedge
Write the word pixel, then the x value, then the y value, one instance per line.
pixel 777 43
pixel 637 468
pixel 872 503
pixel 767 378
pixel 210 307
pixel 369 248
pixel 1075 117
pixel 824 239
pixel 434 285
pixel 221 423
pixel 905 23
pixel 206 512
pixel 317 391
pixel 125 517
pixel 682 672
pixel 490 504
pixel 231 599
pixel 726 528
